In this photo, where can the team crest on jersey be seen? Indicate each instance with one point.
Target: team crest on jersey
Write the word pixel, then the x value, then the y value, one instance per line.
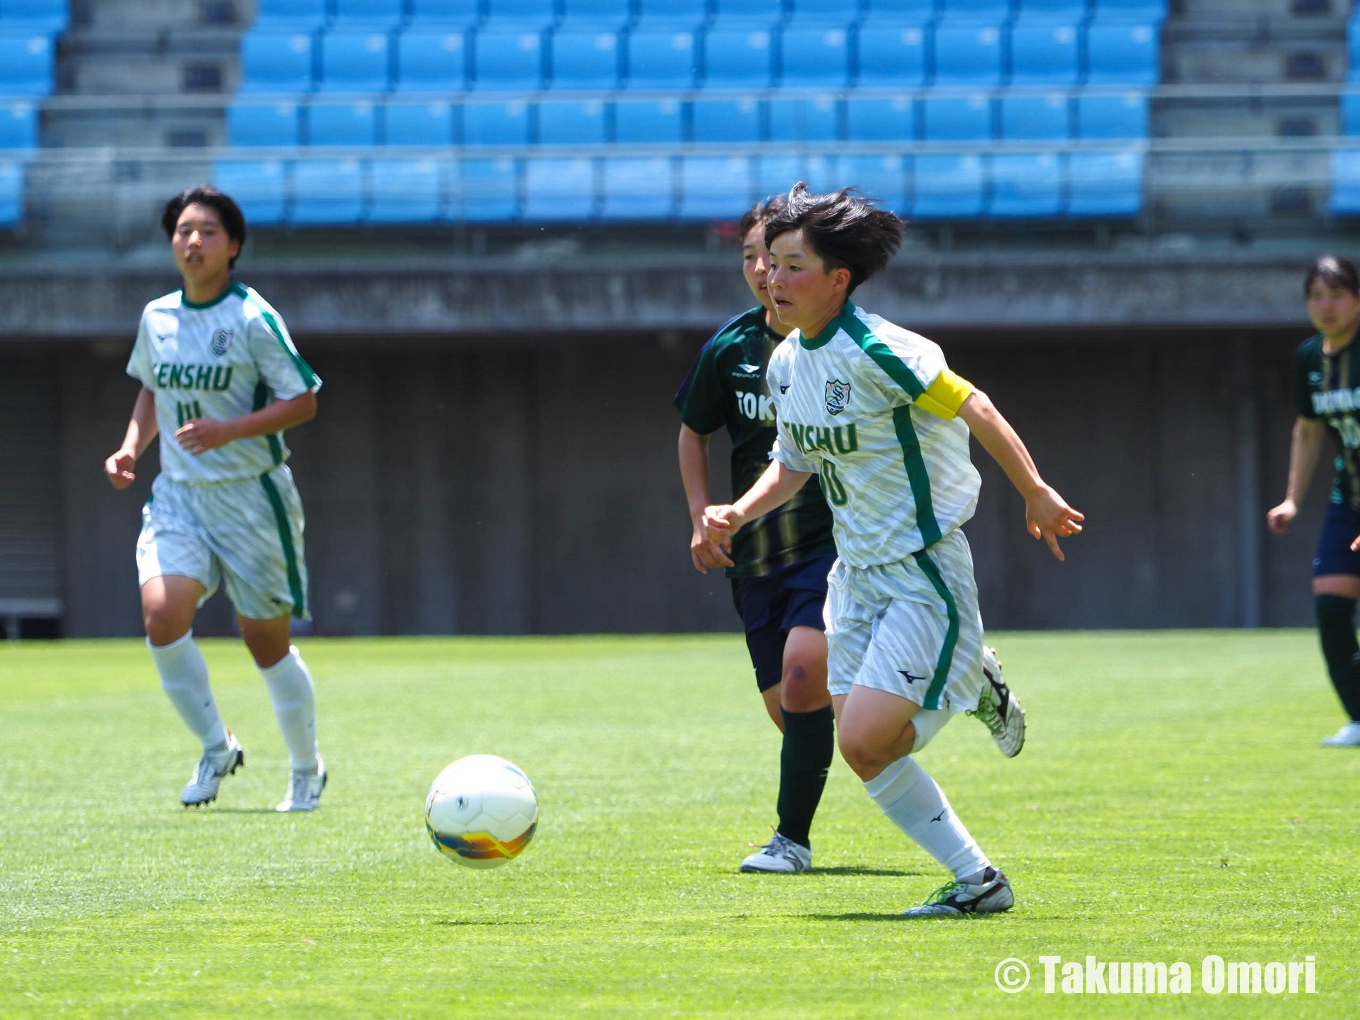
pixel 221 341
pixel 837 396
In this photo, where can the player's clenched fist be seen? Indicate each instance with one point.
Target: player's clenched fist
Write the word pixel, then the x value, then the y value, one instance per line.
pixel 720 522
pixel 118 469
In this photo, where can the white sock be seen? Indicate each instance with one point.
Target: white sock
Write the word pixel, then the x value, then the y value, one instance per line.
pixel 184 677
pixel 919 808
pixel 290 688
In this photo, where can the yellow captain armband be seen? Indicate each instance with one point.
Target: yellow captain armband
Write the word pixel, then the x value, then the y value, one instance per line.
pixel 945 395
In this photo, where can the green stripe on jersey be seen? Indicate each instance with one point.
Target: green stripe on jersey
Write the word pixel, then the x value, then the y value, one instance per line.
pixel 882 354
pixel 951 635
pixel 309 378
pixel 286 539
pixel 275 445
pixel 916 474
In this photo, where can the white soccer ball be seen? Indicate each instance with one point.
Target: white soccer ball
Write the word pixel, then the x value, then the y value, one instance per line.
pixel 481 811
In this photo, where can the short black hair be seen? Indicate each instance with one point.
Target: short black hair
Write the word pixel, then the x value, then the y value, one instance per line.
pixel 1334 271
pixel 845 230
pixel 762 212
pixel 233 220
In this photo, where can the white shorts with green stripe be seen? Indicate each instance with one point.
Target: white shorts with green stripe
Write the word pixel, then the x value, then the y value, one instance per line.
pixel 248 533
pixel 911 628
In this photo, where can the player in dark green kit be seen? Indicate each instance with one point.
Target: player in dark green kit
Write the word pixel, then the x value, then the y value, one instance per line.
pixel 778 564
pixel 1327 398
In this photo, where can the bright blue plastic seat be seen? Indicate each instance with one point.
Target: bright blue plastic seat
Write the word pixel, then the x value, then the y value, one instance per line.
pixel 1110 115
pixel 1350 113
pixel 585 59
pixel 649 121
pixel 775 175
pixel 637 188
pixel 874 119
pixel 892 56
pixel 272 60
pixel 738 58
pixel 1345 182
pixel 1044 52
pixel 1070 11
pixel 813 119
pixel 520 15
pixel 559 189
pixel 49 17
pixel 350 124
pixel 814 57
pixel 444 15
pixel 355 61
pixel 1122 54
pixel 914 12
pixel 18 125
pixel 507 60
pixel 714 187
pixel 881 177
pixel 658 14
pixel 735 121
pixel 1153 11
pixel 839 13
pixel 264 123
pixel 258 186
pixel 429 124
pixel 571 122
pixel 1027 184
pixel 430 60
pixel 489 190
pixel 663 58
pixel 748 14
pixel 11 192
pixel 327 191
pixel 607 15
pixel 405 190
pixel 504 123
pixel 1105 183
pixel 990 11
pixel 1035 117
pixel 967 54
pixel 948 187
pixel 380 14
pixel 956 118
pixel 292 15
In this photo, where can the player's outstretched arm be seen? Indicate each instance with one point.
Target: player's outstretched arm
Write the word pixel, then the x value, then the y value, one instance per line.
pixel 198 435
pixel 1305 445
pixel 1047 514
pixel 772 489
pixel 141 430
pixel 693 449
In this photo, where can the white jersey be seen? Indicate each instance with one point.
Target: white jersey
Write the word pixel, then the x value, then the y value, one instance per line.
pixel 871 408
pixel 220 360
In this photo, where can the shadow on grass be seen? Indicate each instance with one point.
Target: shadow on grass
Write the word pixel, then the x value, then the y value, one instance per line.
pixel 971 918
pixel 234 811
pixel 856 869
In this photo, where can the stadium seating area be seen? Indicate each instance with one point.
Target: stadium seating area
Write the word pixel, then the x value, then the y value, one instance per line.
pixel 1346 161
pixel 28 32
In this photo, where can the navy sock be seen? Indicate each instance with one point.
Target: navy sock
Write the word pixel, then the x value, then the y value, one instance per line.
pixel 809 745
pixel 1336 629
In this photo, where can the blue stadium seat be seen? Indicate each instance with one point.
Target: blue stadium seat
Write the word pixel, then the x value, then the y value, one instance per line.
pixel 948 187
pixel 380 14
pixel 293 15
pixel 352 124
pixel 880 177
pixel 608 15
pixel 520 15
pixel 967 54
pixel 1044 52
pixel 264 123
pixel 738 58
pixel 748 14
pixel 735 121
pixel 1027 184
pixel 431 60
pixel 1353 48
pixel 956 118
pixel 1105 183
pixel 807 13
pixel 890 119
pixel 428 124
pixel 571 123
pixel 990 11
pixel 444 15
pixel 259 187
pixel 637 188
pixel 1070 11
pixel 273 60
pixel 1035 117
pixel 509 59
pixel 405 190
pixel 1345 182
pixel 489 190
pixel 892 11
pixel 559 189
pixel 813 119
pixel 11 192
pixel 714 187
pixel 775 175
pixel 18 125
pixel 892 56
pixel 1107 115
pixel 649 121
pixel 658 14
pixel 814 57
pixel 354 61
pixel 504 123
pixel 822 172
pixel 1350 113
pixel 1122 54
pixel 1153 11
pixel 664 58
pixel 585 59
pixel 327 191
pixel 40 16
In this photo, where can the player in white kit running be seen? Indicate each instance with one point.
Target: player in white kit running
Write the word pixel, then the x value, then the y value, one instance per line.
pixel 874 409
pixel 221 381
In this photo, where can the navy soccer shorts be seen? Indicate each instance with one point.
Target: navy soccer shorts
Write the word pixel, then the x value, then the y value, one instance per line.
pixel 771 606
pixel 1339 530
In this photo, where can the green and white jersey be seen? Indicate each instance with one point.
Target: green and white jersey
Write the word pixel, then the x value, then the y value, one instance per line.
pixel 218 360
pixel 871 406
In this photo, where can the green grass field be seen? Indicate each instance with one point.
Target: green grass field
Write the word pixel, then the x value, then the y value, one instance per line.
pixel 1172 802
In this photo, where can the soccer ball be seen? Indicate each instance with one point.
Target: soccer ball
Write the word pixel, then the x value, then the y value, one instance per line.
pixel 481 811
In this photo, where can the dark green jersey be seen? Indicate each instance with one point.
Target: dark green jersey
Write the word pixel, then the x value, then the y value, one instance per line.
pixel 1327 386
pixel 726 387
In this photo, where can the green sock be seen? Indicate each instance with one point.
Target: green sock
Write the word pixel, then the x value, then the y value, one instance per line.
pixel 1336 629
pixel 809 744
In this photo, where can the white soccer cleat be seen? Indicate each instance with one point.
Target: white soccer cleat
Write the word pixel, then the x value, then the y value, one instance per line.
pixel 779 856
pixel 959 899
pixel 304 789
pixel 210 771
pixel 998 708
pixel 1347 736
